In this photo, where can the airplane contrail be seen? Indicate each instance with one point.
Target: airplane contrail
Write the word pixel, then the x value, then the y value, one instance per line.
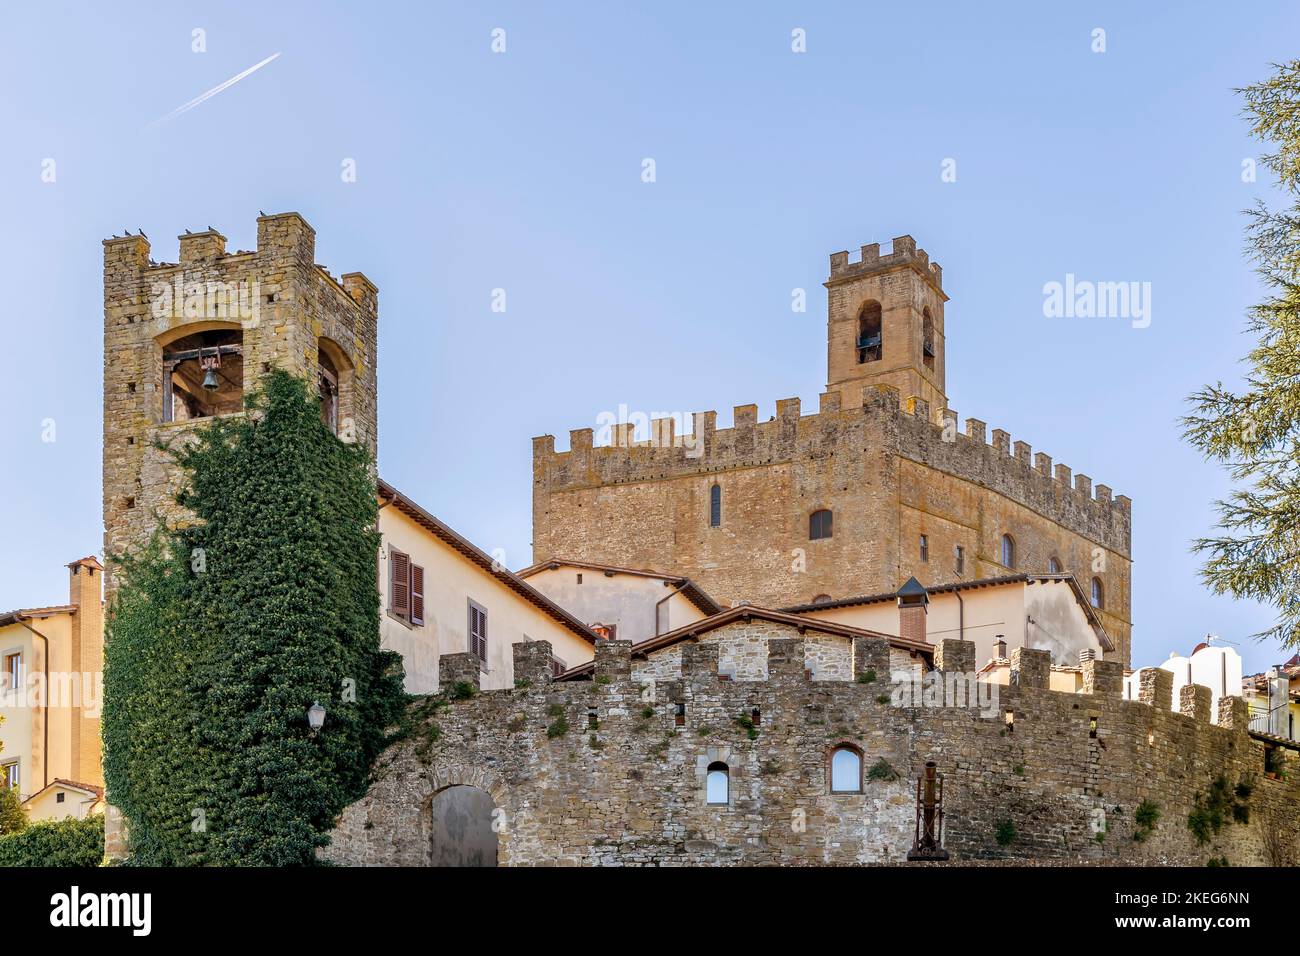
pixel 213 92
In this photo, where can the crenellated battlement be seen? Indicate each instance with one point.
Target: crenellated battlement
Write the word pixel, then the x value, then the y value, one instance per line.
pixel 870 260
pixel 282 238
pixel 934 438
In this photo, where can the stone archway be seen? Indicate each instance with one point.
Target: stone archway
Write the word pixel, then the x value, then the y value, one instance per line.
pixel 461 827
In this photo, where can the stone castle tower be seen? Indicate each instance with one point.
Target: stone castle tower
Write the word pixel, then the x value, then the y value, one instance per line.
pixel 185 341
pixel 880 485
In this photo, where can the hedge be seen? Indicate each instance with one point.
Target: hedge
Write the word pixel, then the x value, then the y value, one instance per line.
pixel 67 842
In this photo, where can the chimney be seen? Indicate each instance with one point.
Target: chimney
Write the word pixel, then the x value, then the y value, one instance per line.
pixel 1000 648
pixel 85 591
pixel 1088 654
pixel 912 601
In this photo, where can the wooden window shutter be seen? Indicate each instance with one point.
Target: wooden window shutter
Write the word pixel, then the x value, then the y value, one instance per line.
pixel 399 583
pixel 478 632
pixel 417 594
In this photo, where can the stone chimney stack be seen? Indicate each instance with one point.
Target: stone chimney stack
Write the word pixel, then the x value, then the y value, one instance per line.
pixel 912 601
pixel 85 590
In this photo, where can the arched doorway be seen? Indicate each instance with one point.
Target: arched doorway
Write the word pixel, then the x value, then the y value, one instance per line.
pixel 460 827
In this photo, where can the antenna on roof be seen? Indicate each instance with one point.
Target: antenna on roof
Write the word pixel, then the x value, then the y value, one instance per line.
pixel 1213 639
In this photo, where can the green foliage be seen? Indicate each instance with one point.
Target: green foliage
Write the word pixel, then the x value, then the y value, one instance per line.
pixel 1018 770
pixel 647 712
pixel 13 818
pixel 558 728
pixel 67 842
pixel 1217 861
pixel 1213 807
pixel 209 670
pixel 522 682
pixel 1255 432
pixel 882 699
pixel 462 690
pixel 1146 816
pixel 746 723
pixel 1005 833
pixel 867 677
pixel 882 769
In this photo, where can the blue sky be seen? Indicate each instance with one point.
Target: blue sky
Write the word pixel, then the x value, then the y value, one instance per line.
pixel 522 171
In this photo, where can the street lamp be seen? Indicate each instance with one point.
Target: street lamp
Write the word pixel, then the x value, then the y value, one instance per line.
pixel 315 716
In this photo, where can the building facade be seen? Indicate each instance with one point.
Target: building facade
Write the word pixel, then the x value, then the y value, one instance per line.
pixel 880 485
pixel 51 695
pixel 622 603
pixel 440 594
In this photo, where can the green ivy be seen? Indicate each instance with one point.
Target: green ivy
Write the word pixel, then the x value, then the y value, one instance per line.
pixel 67 842
pixel 211 664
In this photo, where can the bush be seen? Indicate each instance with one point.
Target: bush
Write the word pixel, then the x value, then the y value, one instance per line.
pixel 1005 834
pixel 67 842
pixel 13 818
pixel 882 769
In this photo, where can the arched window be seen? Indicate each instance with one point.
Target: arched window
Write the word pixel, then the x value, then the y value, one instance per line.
pixel 1098 594
pixel 715 506
pixel 334 385
pixel 819 525
pixel 927 339
pixel 718 784
pixel 328 385
pixel 1053 565
pixel 846 769
pixel 1008 551
pixel 870 340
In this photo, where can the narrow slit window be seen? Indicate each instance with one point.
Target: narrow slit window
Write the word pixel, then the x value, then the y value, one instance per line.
pixel 870 338
pixel 715 506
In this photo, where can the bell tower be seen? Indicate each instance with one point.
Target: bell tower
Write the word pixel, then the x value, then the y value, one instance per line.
pixel 885 324
pixel 187 341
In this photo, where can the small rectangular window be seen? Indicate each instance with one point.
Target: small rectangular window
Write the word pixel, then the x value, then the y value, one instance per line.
pixel 13 671
pixel 558 667
pixel 925 548
pixel 58 797
pixel 11 778
pixel 961 560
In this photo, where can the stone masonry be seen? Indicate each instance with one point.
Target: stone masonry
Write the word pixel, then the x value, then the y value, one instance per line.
pixel 611 770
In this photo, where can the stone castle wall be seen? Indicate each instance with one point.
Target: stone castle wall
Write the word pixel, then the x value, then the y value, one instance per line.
pixel 294 304
pixel 888 474
pixel 600 772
